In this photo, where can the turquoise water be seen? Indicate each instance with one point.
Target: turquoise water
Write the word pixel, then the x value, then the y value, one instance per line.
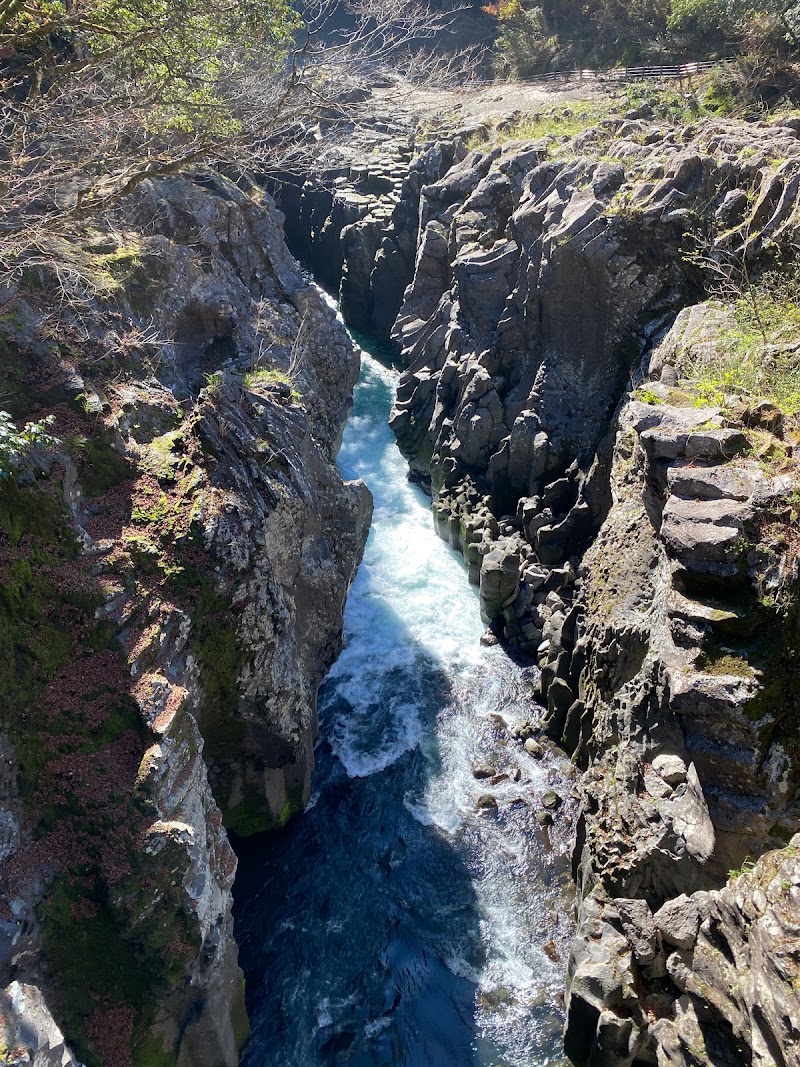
pixel 393 923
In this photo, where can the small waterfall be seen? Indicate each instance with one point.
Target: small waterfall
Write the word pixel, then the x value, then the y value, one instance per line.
pixel 405 919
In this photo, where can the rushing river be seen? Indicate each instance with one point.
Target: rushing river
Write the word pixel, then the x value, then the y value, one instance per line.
pixel 394 923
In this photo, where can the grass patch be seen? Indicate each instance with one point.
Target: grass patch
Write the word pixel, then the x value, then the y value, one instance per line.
pixel 647 396
pixel 658 103
pixel 721 662
pixel 564 123
pixel 271 378
pixel 754 357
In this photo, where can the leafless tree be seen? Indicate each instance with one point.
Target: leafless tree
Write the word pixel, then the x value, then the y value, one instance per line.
pixel 89 109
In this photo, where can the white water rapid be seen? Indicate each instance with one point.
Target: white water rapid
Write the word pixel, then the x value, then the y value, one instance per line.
pixel 395 922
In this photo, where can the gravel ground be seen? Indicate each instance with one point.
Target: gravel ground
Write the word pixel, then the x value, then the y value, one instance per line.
pixel 490 102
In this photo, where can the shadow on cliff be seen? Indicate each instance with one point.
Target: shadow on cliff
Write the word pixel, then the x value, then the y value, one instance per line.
pixel 358 923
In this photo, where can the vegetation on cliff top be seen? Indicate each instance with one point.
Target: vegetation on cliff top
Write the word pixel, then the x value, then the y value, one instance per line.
pixel 758 357
pixel 567 34
pixel 98 96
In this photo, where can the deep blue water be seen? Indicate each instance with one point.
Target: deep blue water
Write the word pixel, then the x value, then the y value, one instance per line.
pixel 393 923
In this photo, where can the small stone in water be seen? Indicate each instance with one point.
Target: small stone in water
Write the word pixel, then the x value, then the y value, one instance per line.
pixel 523 731
pixel 544 818
pixel 498 778
pixel 516 774
pixel 486 801
pixel 550 950
pixel 495 998
pixel 533 748
pixel 488 639
pixel 499 725
pixel 551 800
pixel 483 770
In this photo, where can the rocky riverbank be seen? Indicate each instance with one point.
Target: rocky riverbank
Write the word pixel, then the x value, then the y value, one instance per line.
pixel 174 570
pixel 630 518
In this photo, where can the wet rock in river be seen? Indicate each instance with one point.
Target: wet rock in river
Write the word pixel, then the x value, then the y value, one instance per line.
pixel 499 581
pixel 483 770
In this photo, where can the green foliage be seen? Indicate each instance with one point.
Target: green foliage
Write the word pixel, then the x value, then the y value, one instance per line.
pixel 523 47
pixel 703 15
pixel 719 96
pixel 16 445
pixel 734 18
pixel 647 396
pixel 757 357
pixel 563 34
pixel 747 866
pixel 181 54
pixel 214 384
pixel 102 95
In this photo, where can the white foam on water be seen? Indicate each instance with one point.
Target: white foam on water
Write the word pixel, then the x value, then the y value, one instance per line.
pixel 411 615
pixel 324 1017
pixel 418 811
pixel 375 1026
pixel 410 603
pixel 403 734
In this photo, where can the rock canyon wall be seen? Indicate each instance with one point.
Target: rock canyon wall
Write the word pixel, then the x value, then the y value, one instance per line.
pixel 174 569
pixel 630 519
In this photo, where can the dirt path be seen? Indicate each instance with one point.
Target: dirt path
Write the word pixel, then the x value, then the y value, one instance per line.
pixel 490 101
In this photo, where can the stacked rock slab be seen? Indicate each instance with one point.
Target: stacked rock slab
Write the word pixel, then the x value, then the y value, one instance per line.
pixel 638 544
pixel 219 541
pixel 673 698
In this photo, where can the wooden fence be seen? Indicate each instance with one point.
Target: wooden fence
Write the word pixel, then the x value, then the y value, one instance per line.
pixel 680 71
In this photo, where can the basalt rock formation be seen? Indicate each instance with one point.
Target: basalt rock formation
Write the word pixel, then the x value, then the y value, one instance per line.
pixel 355 221
pixel 173 570
pixel 635 534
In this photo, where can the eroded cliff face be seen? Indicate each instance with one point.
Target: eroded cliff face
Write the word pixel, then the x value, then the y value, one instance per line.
pixel 174 573
pixel 355 221
pixel 635 533
pixel 677 695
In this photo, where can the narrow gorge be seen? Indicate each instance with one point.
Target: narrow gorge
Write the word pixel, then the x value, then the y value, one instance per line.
pixel 544 809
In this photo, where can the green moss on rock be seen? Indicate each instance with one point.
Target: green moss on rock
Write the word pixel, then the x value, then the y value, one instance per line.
pixel 221 657
pixel 252 816
pixel 64 679
pixel 90 960
pixel 101 466
pixel 150 1052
